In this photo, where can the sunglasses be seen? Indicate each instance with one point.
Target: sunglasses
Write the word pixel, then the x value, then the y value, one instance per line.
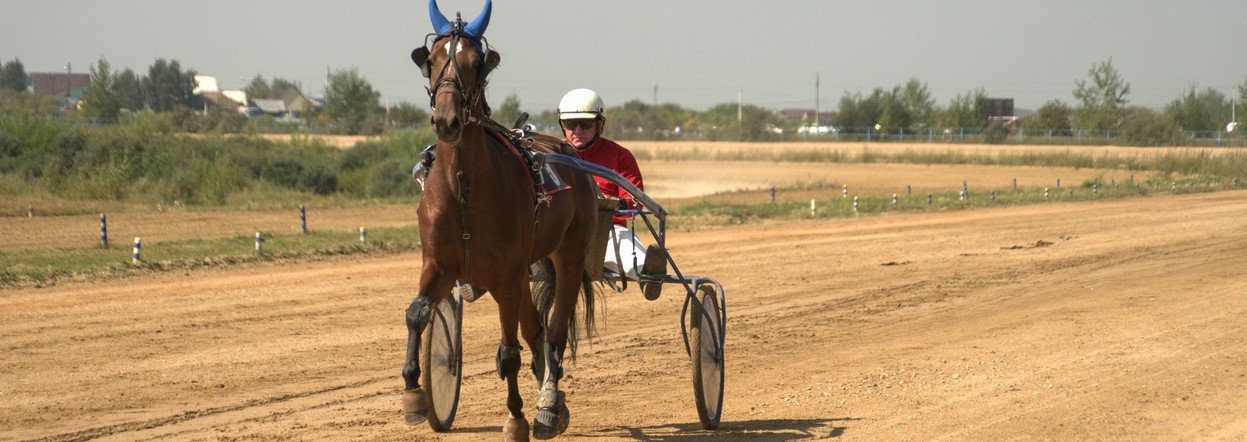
pixel 582 124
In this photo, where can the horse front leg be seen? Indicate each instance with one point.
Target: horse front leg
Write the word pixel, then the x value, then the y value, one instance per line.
pixel 515 428
pixel 433 288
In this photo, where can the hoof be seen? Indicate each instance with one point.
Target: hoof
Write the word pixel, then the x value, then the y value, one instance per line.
pixel 515 429
pixel 415 406
pixel 549 423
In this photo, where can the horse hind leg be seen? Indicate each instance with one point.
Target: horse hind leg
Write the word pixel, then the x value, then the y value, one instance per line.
pixel 552 416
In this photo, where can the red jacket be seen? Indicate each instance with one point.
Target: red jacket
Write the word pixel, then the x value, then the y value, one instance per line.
pixel 609 154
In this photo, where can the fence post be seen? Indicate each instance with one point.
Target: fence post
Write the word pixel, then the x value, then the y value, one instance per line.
pixel 259 241
pixel 302 220
pixel 1015 184
pixel 894 201
pixel 363 236
pixel 772 193
pixel 137 244
pixel 103 230
pixel 845 193
pixel 928 198
pixel 30 211
pixel 813 209
pixel 855 203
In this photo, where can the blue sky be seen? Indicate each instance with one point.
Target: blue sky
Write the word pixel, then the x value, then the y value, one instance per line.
pixel 699 53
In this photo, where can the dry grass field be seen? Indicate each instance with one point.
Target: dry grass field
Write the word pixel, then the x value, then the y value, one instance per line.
pixel 1118 319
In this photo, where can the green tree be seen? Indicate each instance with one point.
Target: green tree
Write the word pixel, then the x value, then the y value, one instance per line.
pixel 1145 127
pixel 13 76
pixel 966 111
pixel 350 100
pixel 130 88
pixel 859 112
pixel 1206 110
pixel 406 115
pixel 1240 106
pixel 103 100
pixel 915 96
pixel 1053 116
pixel 509 111
pixel 258 88
pixel 281 87
pixel 168 86
pixel 735 122
pixel 1102 99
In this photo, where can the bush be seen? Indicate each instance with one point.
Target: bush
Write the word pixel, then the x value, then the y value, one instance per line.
pixel 1144 127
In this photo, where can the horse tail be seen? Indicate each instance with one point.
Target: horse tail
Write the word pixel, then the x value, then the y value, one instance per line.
pixel 543 299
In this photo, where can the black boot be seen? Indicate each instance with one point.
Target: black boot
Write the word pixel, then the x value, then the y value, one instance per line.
pixel 652 272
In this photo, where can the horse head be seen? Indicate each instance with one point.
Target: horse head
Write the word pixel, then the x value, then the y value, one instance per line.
pixel 456 64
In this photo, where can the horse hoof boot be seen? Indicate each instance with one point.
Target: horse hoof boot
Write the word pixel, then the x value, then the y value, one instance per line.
pixel 515 429
pixel 415 406
pixel 551 422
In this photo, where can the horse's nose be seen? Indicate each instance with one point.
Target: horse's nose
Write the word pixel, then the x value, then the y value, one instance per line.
pixel 447 129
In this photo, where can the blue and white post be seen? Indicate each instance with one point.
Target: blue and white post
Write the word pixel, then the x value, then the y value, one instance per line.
pixel 302 220
pixel 363 236
pixel 259 241
pixel 137 244
pixel 103 230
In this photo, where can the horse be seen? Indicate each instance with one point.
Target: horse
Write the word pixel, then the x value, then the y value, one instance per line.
pixel 480 223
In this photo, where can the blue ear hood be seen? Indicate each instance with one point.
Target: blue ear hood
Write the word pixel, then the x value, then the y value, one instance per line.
pixel 440 24
pixel 475 28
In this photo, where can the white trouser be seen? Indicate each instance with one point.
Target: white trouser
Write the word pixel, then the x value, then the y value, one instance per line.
pixel 631 252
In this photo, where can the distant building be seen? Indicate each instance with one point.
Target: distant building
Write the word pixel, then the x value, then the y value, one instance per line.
pixel 59 84
pixel 1000 109
pixel 206 89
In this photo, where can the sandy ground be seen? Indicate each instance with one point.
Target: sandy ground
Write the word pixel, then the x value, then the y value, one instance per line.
pixel 1107 320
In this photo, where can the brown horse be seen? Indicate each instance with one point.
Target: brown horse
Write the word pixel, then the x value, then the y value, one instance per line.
pixel 480 223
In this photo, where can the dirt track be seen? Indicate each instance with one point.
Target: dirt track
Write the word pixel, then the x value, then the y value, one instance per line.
pixel 1108 320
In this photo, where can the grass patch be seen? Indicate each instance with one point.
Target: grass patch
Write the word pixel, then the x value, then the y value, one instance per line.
pixel 47 266
pixel 708 211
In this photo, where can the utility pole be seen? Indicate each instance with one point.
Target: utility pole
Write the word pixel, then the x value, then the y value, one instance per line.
pixel 817 123
pixel 740 106
pixel 69 79
pixel 655 93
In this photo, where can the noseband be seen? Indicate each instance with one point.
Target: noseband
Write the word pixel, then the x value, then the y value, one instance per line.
pixel 471 98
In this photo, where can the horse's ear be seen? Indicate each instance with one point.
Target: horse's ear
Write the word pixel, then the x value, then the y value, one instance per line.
pixel 420 56
pixel 491 61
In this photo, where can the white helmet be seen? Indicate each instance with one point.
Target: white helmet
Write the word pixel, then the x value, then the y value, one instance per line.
pixel 581 103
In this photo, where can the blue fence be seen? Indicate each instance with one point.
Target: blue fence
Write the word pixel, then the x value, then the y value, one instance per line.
pixel 1014 136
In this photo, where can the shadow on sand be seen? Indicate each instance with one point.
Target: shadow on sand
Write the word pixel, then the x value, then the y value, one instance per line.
pixel 766 430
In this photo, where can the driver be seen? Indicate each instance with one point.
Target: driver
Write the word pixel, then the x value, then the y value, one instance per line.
pixel 581 117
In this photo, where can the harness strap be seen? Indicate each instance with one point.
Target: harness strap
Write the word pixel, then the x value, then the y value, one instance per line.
pixel 463 214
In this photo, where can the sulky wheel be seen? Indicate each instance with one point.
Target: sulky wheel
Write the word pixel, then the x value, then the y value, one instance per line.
pixel 443 362
pixel 706 340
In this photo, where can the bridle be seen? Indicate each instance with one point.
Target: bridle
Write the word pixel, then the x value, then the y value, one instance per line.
pixel 471 98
